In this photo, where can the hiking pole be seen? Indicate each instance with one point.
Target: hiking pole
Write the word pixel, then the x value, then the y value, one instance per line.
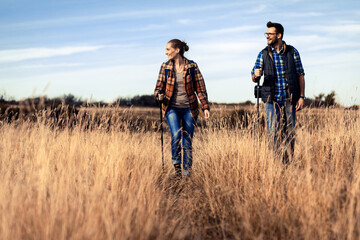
pixel 257 104
pixel 162 137
pixel 257 95
pixel 162 131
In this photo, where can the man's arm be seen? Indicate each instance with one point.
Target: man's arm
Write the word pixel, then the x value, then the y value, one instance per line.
pixel 301 80
pixel 301 102
pixel 257 69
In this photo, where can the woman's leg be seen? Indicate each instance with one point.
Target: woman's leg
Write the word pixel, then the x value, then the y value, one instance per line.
pixel 173 118
pixel 189 124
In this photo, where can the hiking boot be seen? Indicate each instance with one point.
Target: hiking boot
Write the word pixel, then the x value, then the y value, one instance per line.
pixel 177 170
pixel 285 158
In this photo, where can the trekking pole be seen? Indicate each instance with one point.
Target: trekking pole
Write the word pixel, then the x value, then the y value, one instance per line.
pixel 257 93
pixel 162 137
pixel 162 131
pixel 257 105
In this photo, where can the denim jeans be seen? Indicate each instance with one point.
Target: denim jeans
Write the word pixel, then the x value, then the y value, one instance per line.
pixel 177 117
pixel 280 120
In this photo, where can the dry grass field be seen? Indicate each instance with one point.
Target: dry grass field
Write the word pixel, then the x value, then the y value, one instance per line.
pixel 105 181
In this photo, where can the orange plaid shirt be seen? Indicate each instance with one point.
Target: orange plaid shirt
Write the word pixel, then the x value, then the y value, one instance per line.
pixel 191 86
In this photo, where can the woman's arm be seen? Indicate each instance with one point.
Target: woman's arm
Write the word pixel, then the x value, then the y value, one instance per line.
pixel 160 84
pixel 200 89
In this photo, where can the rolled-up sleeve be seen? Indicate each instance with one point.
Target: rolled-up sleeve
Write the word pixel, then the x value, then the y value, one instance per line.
pixel 201 89
pixel 160 84
pixel 258 63
pixel 298 64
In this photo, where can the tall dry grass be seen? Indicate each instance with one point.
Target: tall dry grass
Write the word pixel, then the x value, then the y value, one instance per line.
pixel 101 183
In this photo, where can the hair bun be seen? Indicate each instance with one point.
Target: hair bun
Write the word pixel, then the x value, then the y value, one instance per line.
pixel 178 44
pixel 185 46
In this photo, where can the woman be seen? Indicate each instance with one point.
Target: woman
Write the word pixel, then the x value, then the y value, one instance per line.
pixel 178 82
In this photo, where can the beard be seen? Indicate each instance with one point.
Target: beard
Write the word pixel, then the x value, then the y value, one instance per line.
pixel 274 42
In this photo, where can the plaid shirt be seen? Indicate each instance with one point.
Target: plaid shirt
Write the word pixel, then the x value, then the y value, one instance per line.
pixel 280 84
pixel 191 86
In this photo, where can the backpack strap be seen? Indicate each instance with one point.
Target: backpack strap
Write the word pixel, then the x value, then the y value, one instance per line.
pixel 192 72
pixel 166 74
pixel 192 69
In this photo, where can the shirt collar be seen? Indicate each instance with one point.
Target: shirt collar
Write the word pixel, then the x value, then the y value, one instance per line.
pixel 170 64
pixel 282 50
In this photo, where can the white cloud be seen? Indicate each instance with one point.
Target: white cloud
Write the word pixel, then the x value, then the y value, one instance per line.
pixel 338 29
pixel 226 47
pixel 184 21
pixel 257 9
pixel 135 14
pixel 318 43
pixel 233 29
pixel 303 14
pixel 58 65
pixel 42 66
pixel 103 83
pixel 150 27
pixel 16 55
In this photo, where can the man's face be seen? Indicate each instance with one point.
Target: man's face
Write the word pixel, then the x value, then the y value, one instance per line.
pixel 272 36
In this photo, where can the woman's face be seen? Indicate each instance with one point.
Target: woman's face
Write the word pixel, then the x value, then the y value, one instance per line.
pixel 171 52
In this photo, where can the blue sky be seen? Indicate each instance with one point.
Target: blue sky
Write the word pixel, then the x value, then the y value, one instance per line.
pixel 102 50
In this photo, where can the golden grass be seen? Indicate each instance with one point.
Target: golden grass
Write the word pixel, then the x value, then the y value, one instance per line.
pixel 76 183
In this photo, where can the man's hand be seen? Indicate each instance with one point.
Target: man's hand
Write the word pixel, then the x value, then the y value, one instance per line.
pixel 300 104
pixel 257 74
pixel 206 114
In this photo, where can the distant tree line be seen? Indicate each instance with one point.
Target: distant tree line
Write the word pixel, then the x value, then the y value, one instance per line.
pixel 138 100
pixel 320 101
pixel 323 100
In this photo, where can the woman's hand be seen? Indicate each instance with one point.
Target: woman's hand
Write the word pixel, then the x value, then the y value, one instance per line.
pixel 160 97
pixel 206 114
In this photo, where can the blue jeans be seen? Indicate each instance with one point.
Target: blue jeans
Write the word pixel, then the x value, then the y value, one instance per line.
pixel 280 120
pixel 177 117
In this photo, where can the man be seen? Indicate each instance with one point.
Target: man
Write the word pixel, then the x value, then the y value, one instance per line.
pixel 283 88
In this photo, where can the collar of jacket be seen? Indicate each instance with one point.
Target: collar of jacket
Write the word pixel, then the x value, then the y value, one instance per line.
pixel 171 64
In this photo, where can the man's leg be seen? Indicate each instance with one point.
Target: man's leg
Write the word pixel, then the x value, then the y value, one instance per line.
pixel 290 121
pixel 273 125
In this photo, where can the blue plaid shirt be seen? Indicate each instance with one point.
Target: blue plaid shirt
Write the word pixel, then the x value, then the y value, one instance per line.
pixel 280 84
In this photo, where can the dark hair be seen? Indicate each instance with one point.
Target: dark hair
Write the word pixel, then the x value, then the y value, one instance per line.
pixel 182 45
pixel 279 28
